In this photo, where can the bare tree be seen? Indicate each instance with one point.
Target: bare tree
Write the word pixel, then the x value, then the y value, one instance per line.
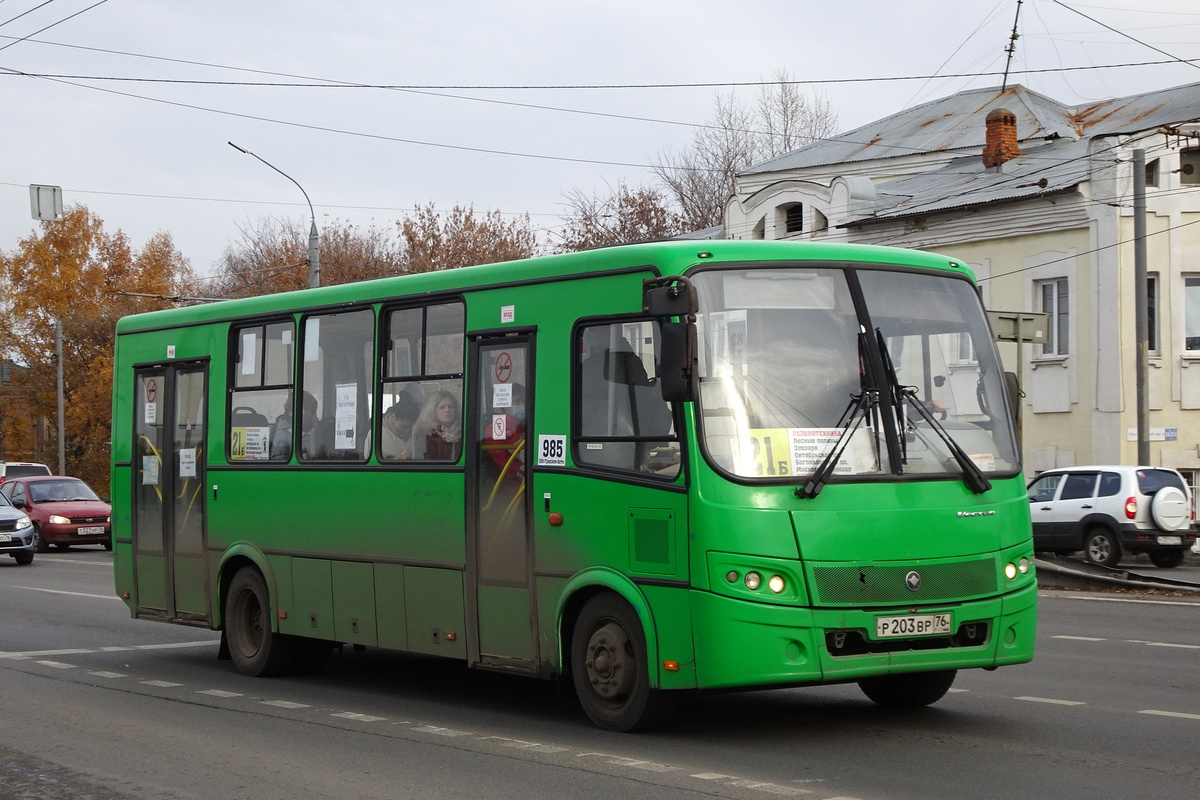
pixel 624 215
pixel 700 180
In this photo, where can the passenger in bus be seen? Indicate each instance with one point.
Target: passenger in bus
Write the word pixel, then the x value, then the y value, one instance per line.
pixel 281 436
pixel 439 428
pixel 395 440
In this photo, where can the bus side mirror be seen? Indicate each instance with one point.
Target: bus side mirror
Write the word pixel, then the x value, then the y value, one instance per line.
pixel 1013 389
pixel 676 375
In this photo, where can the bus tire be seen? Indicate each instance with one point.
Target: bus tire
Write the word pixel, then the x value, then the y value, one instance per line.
pixel 908 690
pixel 254 649
pixel 610 670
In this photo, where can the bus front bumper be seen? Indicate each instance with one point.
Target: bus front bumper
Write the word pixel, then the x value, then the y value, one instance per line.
pixel 744 644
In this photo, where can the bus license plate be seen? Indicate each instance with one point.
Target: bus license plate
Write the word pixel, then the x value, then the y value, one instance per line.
pixel 912 625
pixel 94 530
pixel 1170 540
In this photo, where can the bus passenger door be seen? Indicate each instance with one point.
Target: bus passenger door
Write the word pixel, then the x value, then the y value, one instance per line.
pixel 499 559
pixel 170 562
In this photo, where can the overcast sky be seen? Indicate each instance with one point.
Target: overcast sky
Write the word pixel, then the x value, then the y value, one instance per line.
pixel 493 125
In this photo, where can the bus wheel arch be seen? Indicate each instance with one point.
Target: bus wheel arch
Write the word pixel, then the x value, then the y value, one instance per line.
pixel 610 667
pixel 255 649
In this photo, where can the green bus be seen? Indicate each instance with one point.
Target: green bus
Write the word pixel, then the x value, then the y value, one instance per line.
pixel 643 469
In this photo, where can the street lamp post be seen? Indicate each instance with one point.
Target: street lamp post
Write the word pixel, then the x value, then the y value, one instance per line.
pixel 314 252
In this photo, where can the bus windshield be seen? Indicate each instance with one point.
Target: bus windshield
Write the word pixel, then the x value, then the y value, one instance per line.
pixel 790 363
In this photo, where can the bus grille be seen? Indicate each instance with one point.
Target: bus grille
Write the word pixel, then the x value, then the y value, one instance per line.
pixel 869 583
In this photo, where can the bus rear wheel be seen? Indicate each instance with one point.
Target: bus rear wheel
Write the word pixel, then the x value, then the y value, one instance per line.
pixel 610 670
pixel 910 690
pixel 253 647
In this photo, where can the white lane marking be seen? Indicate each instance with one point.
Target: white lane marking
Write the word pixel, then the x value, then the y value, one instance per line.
pixel 103 674
pixel 1168 644
pixel 219 693
pixel 1081 638
pixel 771 788
pixel 72 594
pixel 1052 701
pixel 1171 714
pixel 36 653
pixel 537 747
pixel 162 684
pixel 358 717
pixel 76 562
pixel 284 704
pixel 712 776
pixel 56 664
pixel 84 650
pixel 172 645
pixel 633 763
pixel 441 731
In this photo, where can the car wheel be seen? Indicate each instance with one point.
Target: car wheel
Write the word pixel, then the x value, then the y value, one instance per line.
pixel 254 648
pixel 1101 547
pixel 41 544
pixel 1166 558
pixel 910 690
pixel 610 669
pixel 24 558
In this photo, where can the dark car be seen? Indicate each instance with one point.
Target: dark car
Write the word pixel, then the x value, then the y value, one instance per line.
pixel 65 511
pixel 16 533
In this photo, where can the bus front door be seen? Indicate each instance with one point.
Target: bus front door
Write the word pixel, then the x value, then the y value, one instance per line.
pixel 170 562
pixel 499 559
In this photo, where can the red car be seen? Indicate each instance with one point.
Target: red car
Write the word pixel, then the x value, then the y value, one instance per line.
pixel 65 511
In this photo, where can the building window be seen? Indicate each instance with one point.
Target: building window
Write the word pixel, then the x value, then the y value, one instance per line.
pixel 1056 304
pixel 1191 306
pixel 789 220
pixel 820 222
pixel 1152 173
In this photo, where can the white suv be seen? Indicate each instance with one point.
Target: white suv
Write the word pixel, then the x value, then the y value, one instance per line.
pixel 1109 511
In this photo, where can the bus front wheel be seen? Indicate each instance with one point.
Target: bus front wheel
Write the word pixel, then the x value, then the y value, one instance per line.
pixel 253 647
pixel 911 690
pixel 610 670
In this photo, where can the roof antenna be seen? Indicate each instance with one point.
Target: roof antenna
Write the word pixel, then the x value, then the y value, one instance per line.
pixel 1011 47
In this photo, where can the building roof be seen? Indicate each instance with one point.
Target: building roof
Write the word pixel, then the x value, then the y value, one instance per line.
pixel 957 123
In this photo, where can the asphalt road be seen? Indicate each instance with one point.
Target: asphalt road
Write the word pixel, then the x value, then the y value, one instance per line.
pixel 96 705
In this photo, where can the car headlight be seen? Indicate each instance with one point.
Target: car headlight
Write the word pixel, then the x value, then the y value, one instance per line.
pixel 23 523
pixel 55 519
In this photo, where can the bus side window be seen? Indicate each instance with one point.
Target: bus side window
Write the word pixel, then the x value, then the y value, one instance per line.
pixel 336 370
pixel 261 361
pixel 622 420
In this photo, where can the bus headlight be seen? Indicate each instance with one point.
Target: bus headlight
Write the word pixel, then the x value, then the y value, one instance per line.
pixel 753 580
pixel 1010 570
pixel 1023 566
pixel 776 584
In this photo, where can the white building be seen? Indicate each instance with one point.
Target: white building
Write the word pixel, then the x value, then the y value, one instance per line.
pixel 1042 210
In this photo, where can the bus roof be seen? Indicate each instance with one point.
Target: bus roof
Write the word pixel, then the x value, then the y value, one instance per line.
pixel 666 257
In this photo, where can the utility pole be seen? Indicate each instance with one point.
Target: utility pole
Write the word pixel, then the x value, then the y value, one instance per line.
pixel 1141 313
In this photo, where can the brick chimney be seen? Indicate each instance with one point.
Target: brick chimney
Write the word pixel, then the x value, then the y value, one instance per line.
pixel 1001 142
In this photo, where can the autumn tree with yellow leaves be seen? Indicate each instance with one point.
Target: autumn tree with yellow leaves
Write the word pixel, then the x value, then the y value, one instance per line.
pixel 75 272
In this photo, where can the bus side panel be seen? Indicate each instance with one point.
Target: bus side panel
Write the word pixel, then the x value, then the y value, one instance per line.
pixel 122 538
pixel 436 618
pixel 390 613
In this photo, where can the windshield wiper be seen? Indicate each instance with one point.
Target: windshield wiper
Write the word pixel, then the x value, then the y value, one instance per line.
pixel 973 476
pixel 860 405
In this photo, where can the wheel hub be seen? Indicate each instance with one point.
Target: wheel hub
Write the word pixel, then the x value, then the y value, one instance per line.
pixel 610 662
